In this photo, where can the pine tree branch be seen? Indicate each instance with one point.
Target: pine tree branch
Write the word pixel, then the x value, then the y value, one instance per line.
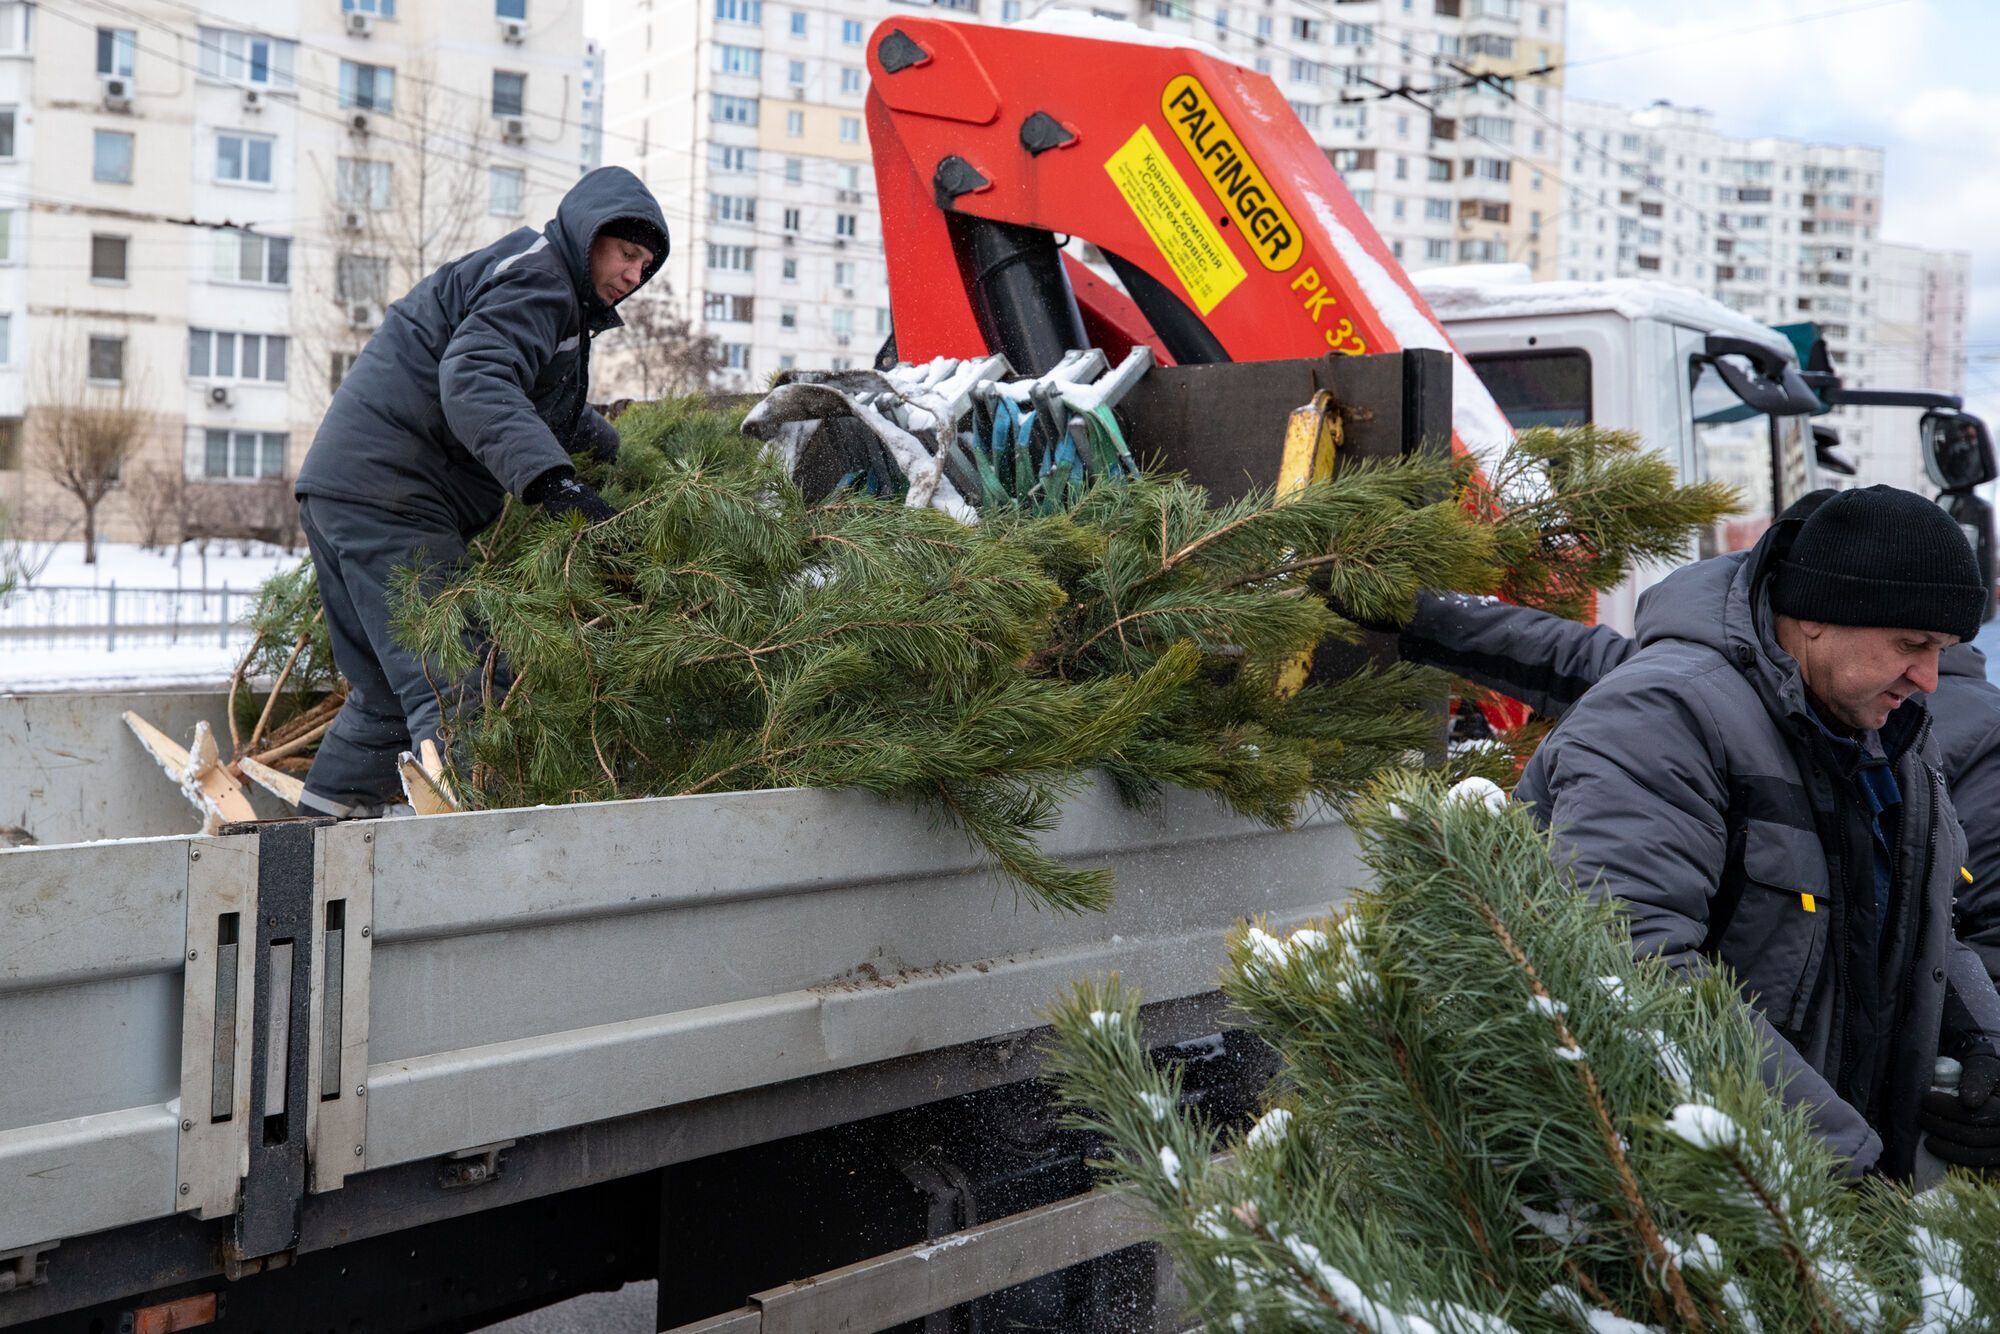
pixel 1635 1200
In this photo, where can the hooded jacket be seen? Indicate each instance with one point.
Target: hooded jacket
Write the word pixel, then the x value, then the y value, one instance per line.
pixel 476 382
pixel 1548 663
pixel 1695 777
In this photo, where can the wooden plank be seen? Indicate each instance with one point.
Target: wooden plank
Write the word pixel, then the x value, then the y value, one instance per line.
pixel 280 785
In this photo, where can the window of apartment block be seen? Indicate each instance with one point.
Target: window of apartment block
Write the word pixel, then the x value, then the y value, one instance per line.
pixel 10 427
pixel 882 321
pixel 733 258
pixel 732 110
pixel 843 323
pixel 1307 113
pixel 367 87
pixel 107 258
pixel 506 191
pixel 791 223
pixel 381 9
pixel 6 132
pixel 116 50
pixel 362 182
pixel 739 11
pixel 1435 249
pixel 844 224
pixel 736 356
pixel 251 257
pixel 15 32
pixel 843 273
pixel 244 57
pixel 850 129
pixel 6 236
pixel 1010 11
pixel 732 208
pixel 788 317
pixel 220 355
pixel 850 79
pixel 1438 169
pixel 1353 34
pixel 730 158
pixel 243 159
pixel 510 92
pixel 343 362
pixel 798 23
pixel 361 279
pixel 795 171
pixel 245 454
pixel 111 156
pixel 1305 30
pixel 739 60
pixel 510 9
pixel 1307 71
pixel 795 124
pixel 795 73
pixel 848 175
pixel 1264 26
pixel 850 32
pixel 107 359
pixel 789 270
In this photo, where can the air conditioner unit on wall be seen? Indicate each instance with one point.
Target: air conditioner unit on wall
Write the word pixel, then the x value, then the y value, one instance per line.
pixel 513 30
pixel 253 99
pixel 357 123
pixel 360 25
pixel 118 92
pixel 353 219
pixel 361 315
pixel 514 129
pixel 218 396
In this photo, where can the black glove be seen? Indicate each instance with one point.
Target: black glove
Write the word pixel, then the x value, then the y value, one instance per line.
pixel 559 494
pixel 1963 1128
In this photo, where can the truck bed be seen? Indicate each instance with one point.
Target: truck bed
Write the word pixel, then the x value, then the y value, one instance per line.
pixel 598 990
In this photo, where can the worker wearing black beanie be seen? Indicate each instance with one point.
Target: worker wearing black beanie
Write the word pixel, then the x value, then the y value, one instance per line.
pixel 1882 557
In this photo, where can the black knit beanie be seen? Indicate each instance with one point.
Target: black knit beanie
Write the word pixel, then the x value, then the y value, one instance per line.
pixel 639 232
pixel 1885 557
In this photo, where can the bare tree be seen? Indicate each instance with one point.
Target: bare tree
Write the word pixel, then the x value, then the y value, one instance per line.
pixel 157 498
pixel 87 415
pixel 660 352
pixel 403 197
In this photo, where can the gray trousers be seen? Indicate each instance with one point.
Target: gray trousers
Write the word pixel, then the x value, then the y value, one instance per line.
pixel 393 703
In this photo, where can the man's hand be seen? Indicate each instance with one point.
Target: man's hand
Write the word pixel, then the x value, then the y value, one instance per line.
pixel 559 494
pixel 1963 1128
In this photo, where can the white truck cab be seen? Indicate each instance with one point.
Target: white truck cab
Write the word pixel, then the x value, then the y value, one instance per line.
pixel 1714 391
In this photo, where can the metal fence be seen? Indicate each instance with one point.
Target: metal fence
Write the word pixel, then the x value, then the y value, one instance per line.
pixel 112 618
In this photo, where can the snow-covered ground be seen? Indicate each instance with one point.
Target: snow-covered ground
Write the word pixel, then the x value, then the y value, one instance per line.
pixel 61 565
pixel 85 663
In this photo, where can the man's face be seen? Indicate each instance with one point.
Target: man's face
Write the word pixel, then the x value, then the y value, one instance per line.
pixel 617 267
pixel 1861 673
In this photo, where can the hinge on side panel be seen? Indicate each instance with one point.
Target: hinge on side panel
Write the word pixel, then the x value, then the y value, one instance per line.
pixel 25 1267
pixel 472 1167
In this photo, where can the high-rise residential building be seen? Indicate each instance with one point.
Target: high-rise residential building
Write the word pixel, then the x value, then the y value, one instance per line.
pixel 591 105
pixel 1780 230
pixel 207 208
pixel 1918 342
pixel 746 117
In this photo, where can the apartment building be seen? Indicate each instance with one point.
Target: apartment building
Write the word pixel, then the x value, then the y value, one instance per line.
pixel 1918 343
pixel 204 209
pixel 1780 230
pixel 746 118
pixel 593 106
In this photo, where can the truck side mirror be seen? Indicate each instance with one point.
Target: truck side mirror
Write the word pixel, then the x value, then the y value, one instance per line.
pixel 1761 378
pixel 1830 456
pixel 1958 451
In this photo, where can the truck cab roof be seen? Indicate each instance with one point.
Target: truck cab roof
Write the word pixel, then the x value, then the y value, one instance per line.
pixel 1507 292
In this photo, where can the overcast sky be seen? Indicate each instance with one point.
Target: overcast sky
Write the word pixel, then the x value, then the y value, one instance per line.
pixel 1912 77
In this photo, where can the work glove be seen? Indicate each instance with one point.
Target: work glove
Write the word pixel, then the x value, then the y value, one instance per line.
pixel 1963 1128
pixel 559 494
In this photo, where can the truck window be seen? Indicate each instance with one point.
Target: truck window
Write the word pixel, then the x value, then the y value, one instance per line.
pixel 1538 388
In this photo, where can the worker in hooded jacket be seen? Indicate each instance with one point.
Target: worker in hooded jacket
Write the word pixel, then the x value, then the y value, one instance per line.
pixel 1757 783
pixel 474 388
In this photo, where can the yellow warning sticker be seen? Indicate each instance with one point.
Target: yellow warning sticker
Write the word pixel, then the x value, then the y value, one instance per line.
pixel 1166 208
